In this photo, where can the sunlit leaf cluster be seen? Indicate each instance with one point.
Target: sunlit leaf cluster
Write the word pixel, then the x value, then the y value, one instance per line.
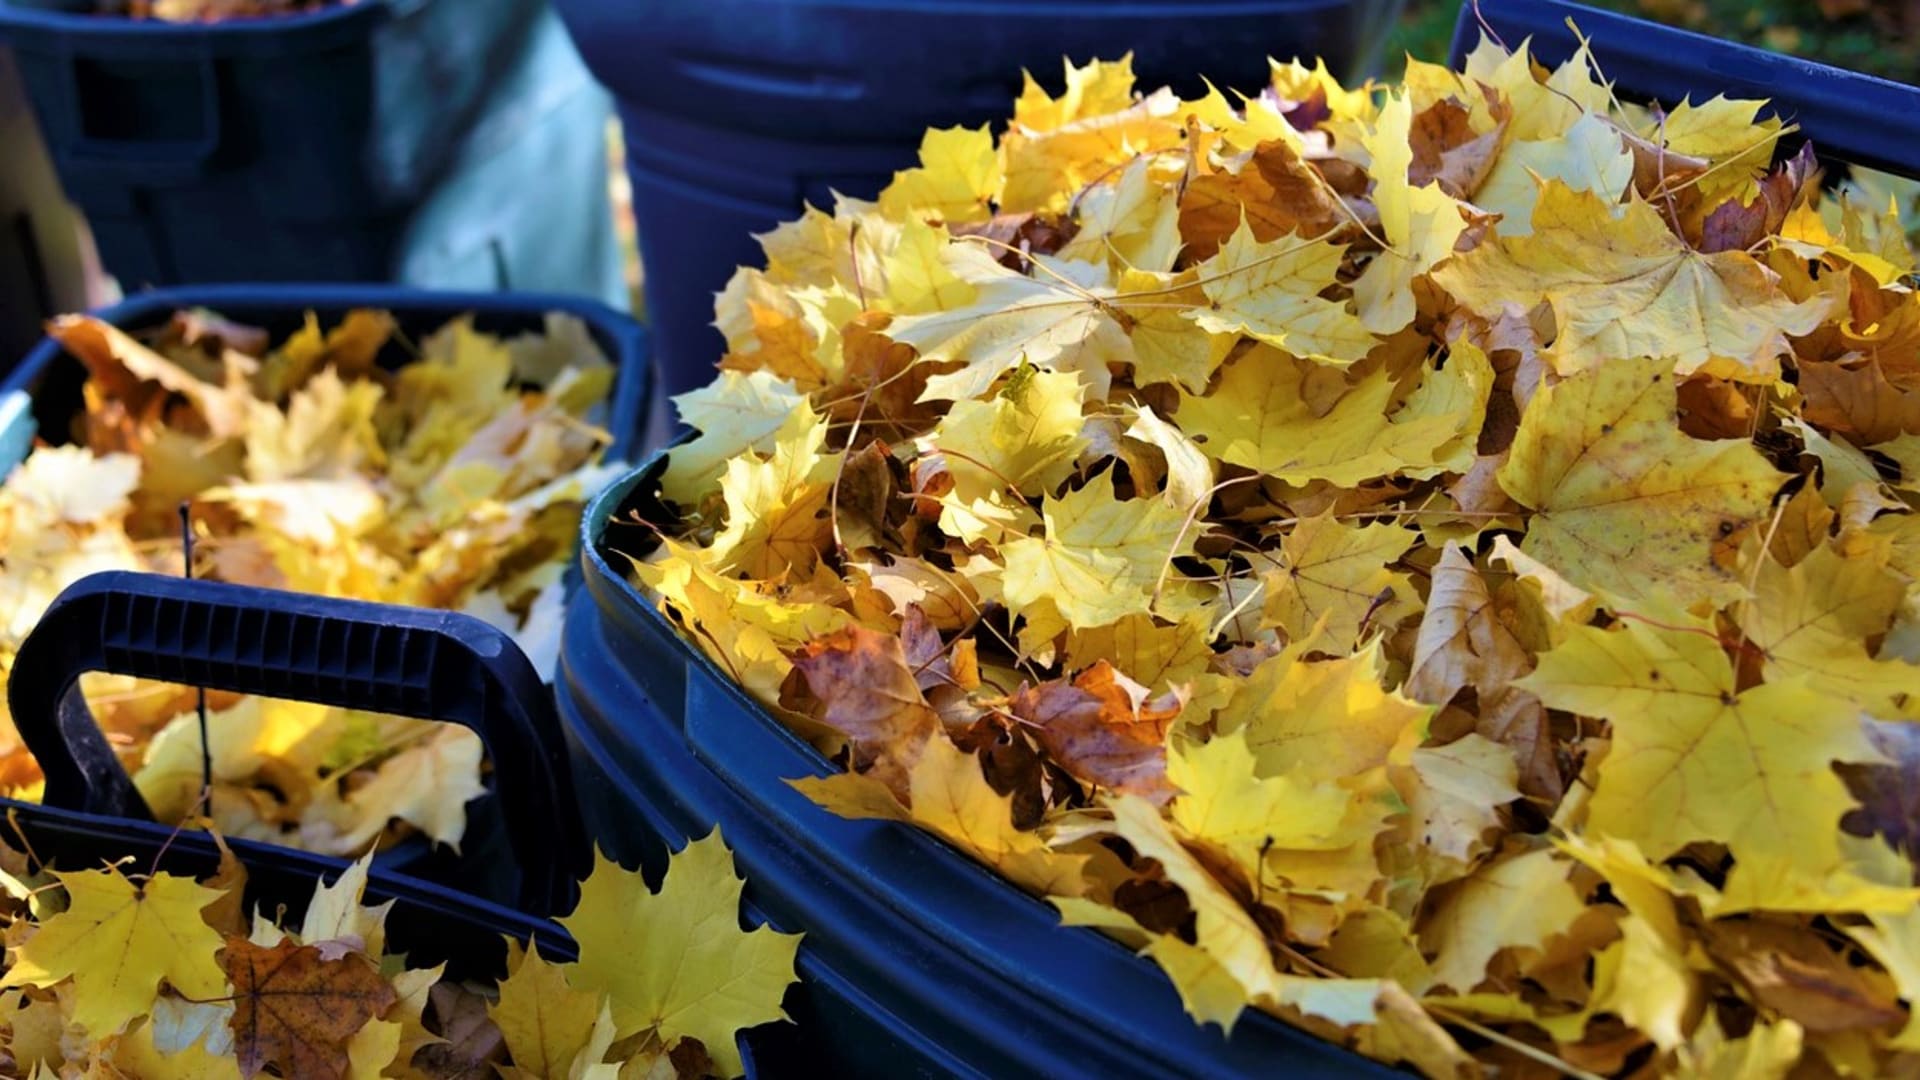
pixel 454 482
pixel 115 972
pixel 1434 562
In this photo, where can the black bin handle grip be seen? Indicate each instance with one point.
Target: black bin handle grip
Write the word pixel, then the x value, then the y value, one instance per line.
pixel 432 665
pixel 1847 115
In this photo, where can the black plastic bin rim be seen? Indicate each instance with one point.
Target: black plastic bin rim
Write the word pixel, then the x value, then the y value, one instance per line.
pixel 593 525
pixel 626 404
pixel 382 885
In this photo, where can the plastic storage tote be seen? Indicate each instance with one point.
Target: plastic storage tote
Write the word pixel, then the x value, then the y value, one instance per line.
pixel 523 847
pixel 42 268
pixel 739 111
pixel 916 961
pixel 439 142
pixel 42 394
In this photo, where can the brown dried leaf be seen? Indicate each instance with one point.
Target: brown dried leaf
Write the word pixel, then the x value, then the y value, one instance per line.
pixel 295 1010
pixel 1101 728
pixel 1792 970
pixel 1277 191
pixel 869 694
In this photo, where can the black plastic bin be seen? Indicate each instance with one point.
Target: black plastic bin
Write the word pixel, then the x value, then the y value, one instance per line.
pixel 739 111
pixel 523 847
pixel 42 394
pixel 374 141
pixel 917 961
pixel 526 851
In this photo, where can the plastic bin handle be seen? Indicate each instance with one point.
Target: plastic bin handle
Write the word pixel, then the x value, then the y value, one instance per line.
pixel 1847 115
pixel 433 665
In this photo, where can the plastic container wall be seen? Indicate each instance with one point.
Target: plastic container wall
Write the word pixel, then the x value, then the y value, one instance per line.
pixel 738 112
pixel 917 961
pixel 42 266
pixel 305 147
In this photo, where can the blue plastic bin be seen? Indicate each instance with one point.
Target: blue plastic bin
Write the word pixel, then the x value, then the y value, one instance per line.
pixel 739 111
pixel 917 961
pixel 524 845
pixel 381 140
pixel 42 394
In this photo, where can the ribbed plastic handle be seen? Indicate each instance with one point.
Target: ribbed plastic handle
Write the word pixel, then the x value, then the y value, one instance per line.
pixel 1849 116
pixel 433 665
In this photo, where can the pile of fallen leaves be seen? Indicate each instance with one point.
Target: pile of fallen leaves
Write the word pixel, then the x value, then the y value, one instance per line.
pixel 1436 563
pixel 158 976
pixel 453 482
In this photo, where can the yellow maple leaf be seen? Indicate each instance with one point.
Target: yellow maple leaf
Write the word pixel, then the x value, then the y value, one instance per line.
pixel 1726 132
pixel 1061 319
pixel 948 794
pixel 326 431
pixel 1893 938
pixel 427 784
pixel 1025 439
pixel 1623 499
pixel 1156 656
pixel 1588 157
pixel 1101 555
pixel 1542 108
pixel 1455 800
pixel 1517 902
pixel 1168 346
pixel 1329 718
pixel 1189 474
pixel 1271 292
pixel 336 913
pixel 350 349
pixel 956 180
pixel 1693 759
pixel 736 412
pixel 1133 222
pixel 545 1022
pixel 1421 224
pixel 1622 286
pixel 1225 803
pixel 1813 622
pixel 1768 1051
pixel 918 281
pixel 745 629
pixel 1209 993
pixel 1331 570
pixel 1257 416
pixel 776 508
pixel 1230 939
pixel 118 941
pixel 675 962
pixel 1056 146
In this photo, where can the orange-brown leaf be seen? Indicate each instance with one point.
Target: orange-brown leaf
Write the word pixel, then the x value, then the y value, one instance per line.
pixel 868 693
pixel 296 1009
pixel 1277 191
pixel 1101 732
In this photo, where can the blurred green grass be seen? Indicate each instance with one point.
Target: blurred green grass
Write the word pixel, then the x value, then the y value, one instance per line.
pixel 1881 37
